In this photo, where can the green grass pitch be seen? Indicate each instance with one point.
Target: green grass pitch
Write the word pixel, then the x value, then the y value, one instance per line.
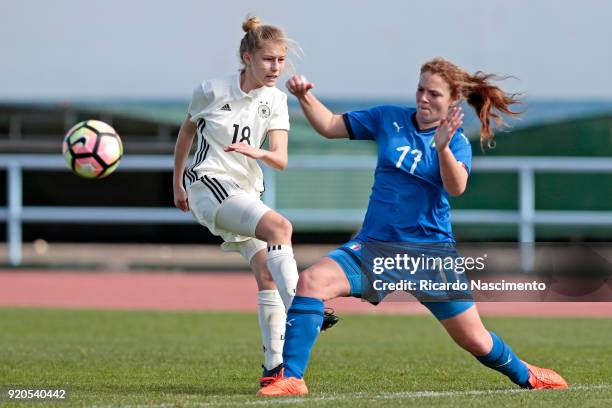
pixel 197 359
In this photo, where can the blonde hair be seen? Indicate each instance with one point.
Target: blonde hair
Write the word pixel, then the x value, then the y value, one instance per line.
pixel 488 100
pixel 257 34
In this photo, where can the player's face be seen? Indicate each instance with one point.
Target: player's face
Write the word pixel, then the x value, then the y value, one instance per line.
pixel 266 64
pixel 433 99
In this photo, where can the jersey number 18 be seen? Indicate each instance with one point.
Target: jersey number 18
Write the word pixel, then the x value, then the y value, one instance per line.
pixel 244 135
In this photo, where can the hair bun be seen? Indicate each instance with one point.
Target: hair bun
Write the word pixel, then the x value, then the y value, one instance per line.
pixel 251 23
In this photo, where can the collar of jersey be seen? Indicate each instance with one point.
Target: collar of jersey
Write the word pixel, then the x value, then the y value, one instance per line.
pixel 416 126
pixel 239 93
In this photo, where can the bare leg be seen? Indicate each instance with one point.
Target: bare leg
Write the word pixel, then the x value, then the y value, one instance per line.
pixel 468 332
pixel 262 274
pixel 324 280
pixel 274 229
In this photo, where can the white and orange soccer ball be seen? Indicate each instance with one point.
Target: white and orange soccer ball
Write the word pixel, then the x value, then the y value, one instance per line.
pixel 92 149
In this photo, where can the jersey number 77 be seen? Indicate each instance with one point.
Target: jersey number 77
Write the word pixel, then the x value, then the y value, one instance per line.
pixel 405 150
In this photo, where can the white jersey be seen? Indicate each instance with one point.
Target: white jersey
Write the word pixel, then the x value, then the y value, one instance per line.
pixel 224 114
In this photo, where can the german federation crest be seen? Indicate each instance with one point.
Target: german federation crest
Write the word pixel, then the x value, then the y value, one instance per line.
pixel 264 110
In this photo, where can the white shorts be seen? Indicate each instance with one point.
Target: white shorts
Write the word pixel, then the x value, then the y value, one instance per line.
pixel 228 211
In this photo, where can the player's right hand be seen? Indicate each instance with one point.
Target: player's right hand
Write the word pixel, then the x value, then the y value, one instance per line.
pixel 180 198
pixel 298 85
pixel 448 127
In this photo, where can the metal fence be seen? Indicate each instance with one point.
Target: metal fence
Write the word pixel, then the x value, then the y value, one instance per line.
pixel 14 214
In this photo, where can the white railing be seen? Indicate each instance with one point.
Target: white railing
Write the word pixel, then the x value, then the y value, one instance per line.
pixel 526 217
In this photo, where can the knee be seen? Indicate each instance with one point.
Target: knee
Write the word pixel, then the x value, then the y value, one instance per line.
pixel 284 228
pixel 277 230
pixel 310 284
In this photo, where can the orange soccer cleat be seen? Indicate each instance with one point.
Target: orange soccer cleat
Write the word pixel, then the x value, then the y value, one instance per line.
pixel 284 386
pixel 269 376
pixel 544 378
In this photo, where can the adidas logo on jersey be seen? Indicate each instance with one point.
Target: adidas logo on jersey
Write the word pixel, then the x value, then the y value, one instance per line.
pixel 226 107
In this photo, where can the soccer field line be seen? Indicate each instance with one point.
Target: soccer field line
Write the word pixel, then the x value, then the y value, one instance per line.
pixel 349 396
pixel 407 395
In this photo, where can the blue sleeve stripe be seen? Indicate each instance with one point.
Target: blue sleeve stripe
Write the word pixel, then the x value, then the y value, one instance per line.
pixel 347 123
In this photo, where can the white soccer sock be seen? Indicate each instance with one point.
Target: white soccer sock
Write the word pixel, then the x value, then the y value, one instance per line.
pixel 283 268
pixel 272 319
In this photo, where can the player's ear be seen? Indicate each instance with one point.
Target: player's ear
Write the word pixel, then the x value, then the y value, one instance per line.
pixel 246 58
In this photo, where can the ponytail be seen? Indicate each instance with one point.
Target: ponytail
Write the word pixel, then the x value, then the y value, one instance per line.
pixel 488 100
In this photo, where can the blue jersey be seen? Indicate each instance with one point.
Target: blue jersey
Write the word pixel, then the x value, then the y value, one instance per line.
pixel 408 201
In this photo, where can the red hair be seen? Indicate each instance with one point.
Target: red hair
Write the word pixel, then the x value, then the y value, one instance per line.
pixel 487 99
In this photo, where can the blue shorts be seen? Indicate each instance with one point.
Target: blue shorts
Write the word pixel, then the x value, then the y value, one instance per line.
pixel 348 256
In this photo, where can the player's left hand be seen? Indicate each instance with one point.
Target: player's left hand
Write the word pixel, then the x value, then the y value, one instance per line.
pixel 448 127
pixel 247 150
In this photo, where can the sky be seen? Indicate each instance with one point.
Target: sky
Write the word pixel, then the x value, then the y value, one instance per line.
pixel 65 50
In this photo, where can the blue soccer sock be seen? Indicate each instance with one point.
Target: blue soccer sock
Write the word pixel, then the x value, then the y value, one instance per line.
pixel 501 358
pixel 304 320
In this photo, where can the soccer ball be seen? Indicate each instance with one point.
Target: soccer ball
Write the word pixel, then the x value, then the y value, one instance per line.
pixel 92 149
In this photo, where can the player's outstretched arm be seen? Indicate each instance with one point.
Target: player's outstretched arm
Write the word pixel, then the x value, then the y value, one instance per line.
pixel 325 122
pixel 181 152
pixel 276 157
